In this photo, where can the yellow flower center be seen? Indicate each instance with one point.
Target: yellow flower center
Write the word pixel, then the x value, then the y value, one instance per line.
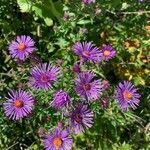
pixel 127 95
pixel 18 103
pixel 21 46
pixel 57 142
pixel 106 52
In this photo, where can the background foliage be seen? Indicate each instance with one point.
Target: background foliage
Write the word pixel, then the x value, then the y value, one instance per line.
pixel 55 25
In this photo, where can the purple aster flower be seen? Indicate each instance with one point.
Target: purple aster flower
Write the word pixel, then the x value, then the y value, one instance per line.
pixel 19 104
pixel 87 52
pixel 108 52
pixel 88 88
pixel 88 1
pixel 76 68
pixel 43 76
pixel 22 47
pixel 81 118
pixel 58 140
pixel 61 99
pixel 127 95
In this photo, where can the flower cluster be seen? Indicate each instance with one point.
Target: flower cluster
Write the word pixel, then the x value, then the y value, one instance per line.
pixel 89 52
pixel 20 103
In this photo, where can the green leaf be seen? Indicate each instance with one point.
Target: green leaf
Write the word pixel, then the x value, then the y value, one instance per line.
pixel 48 21
pixel 25 5
pixel 37 10
pixel 116 4
pixel 81 22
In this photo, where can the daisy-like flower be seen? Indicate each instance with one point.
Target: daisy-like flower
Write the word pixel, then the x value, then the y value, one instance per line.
pixel 61 99
pixel 19 104
pixel 43 75
pixel 58 140
pixel 87 52
pixel 80 119
pixel 127 95
pixel 88 88
pixel 22 47
pixel 88 1
pixel 108 52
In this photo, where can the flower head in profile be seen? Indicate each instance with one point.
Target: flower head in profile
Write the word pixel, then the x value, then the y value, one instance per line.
pixel 87 87
pixel 81 118
pixel 88 1
pixel 22 47
pixel 58 140
pixel 18 105
pixel 60 100
pixel 43 75
pixel 108 52
pixel 127 95
pixel 76 68
pixel 87 52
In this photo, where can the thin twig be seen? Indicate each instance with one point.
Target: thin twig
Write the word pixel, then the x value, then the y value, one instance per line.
pixel 135 12
pixel 130 13
pixel 12 146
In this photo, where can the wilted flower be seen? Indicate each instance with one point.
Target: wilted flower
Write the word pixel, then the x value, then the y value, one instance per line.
pixel 87 87
pixel 131 44
pixel 41 132
pixel 87 52
pixel 35 60
pixel 147 27
pixel 59 62
pixel 19 104
pixel 60 100
pixel 60 124
pixel 43 76
pixel 22 47
pixel 127 95
pixel 81 118
pixel 104 103
pixel 66 15
pixel 108 52
pixel 98 11
pixel 88 1
pixel 106 84
pixel 58 140
pixel 83 30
